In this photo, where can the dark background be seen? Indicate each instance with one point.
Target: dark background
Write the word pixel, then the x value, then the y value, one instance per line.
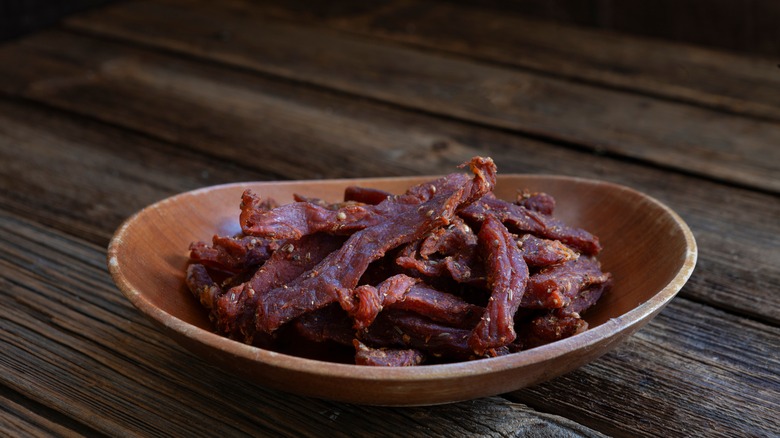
pixel 751 26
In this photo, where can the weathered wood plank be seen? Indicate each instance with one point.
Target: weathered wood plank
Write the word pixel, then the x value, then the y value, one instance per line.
pixel 681 72
pixel 669 134
pixel 652 380
pixel 72 343
pixel 85 178
pixel 18 418
pixel 114 371
pixel 280 129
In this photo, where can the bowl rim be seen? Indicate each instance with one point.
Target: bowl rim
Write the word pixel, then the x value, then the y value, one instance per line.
pixel 584 340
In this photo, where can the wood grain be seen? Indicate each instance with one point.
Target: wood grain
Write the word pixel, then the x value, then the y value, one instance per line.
pixel 703 142
pixel 118 172
pixel 279 129
pixel 113 371
pixel 717 79
pixel 59 301
pixel 660 378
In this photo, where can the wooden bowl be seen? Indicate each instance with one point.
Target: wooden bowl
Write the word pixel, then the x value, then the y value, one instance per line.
pixel 647 247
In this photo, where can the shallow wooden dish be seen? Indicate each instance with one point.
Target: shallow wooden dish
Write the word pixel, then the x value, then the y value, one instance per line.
pixel 647 247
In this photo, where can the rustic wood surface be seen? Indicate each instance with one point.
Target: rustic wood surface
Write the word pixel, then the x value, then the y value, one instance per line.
pixel 124 105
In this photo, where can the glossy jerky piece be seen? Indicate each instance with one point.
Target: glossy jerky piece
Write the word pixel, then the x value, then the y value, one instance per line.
pixel 507 277
pixel 449 250
pixel 438 306
pixel 234 312
pixel 365 195
pixel 522 220
pixel 399 329
pixel 586 297
pixel 329 324
pixel 539 202
pixel 555 287
pixel 406 293
pixel 298 219
pixel 549 328
pixel 337 275
pixel 386 357
pixel 540 253
pixel 202 286
pixel 233 254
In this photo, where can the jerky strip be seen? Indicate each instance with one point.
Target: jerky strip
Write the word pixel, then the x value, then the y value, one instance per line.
pixel 365 195
pixel 556 286
pixel 549 328
pixel 507 276
pixel 544 252
pixel 234 311
pixel 406 293
pixel 338 274
pixel 200 283
pixel 386 357
pixel 298 219
pixel 233 254
pixel 330 323
pixel 522 220
pixel 398 329
pixel 539 202
pixel 457 243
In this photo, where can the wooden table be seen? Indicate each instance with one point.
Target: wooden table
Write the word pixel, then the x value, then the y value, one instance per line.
pixel 122 106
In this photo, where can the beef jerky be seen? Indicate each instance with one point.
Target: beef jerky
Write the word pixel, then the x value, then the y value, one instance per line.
pixel 405 220
pixel 233 254
pixel 451 250
pixel 587 296
pixel 298 219
pixel 540 253
pixel 399 329
pixel 556 286
pixel 507 276
pixel 386 357
pixel 365 195
pixel 522 220
pixel 202 286
pixel 406 293
pixel 539 202
pixel 329 324
pixel 234 310
pixel 549 328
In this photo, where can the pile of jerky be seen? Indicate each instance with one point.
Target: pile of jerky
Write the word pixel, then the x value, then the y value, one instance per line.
pixel 445 272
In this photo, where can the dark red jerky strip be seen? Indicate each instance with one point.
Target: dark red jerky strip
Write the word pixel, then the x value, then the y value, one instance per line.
pixel 453 239
pixel 548 328
pixel 334 206
pixel 539 202
pixel 233 254
pixel 386 357
pixel 555 287
pixel 234 312
pixel 438 306
pixel 586 297
pixel 338 274
pixel 202 285
pixel 522 220
pixel 507 276
pixel 298 219
pixel 365 195
pixel 329 324
pixel 399 329
pixel 457 243
pixel 406 293
pixel 540 253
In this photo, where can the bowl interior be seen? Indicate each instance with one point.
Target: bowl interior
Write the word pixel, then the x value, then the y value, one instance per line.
pixel 648 249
